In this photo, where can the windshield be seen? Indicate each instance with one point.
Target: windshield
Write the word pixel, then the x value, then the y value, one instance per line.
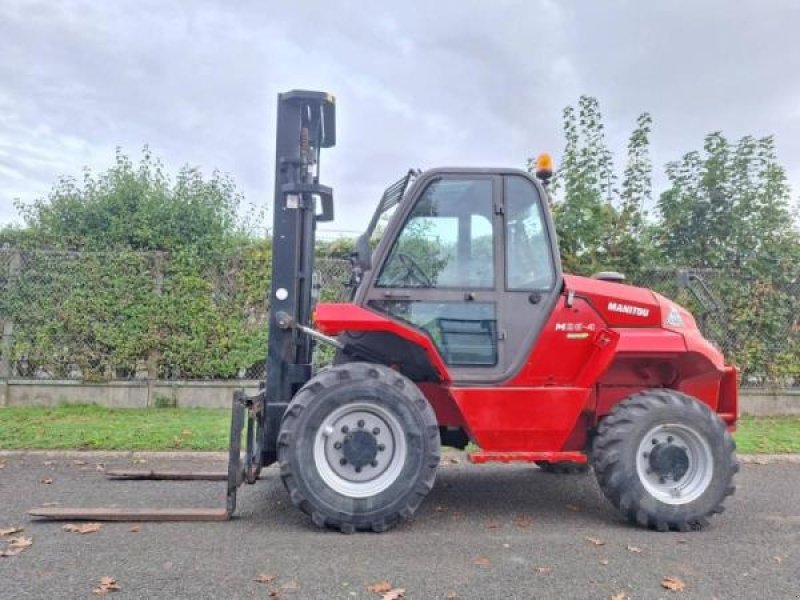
pixel 390 199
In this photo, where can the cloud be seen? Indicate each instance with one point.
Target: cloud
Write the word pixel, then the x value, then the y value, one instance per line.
pixel 418 84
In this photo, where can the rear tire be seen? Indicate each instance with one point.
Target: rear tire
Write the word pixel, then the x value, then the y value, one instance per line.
pixel 665 460
pixel 563 467
pixel 359 448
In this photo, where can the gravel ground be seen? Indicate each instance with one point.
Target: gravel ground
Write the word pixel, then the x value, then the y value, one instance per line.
pixel 485 532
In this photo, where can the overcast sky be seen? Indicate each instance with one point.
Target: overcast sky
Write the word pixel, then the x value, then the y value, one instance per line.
pixel 418 83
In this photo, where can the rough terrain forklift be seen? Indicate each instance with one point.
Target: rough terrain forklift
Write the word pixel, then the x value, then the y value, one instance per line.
pixel 463 331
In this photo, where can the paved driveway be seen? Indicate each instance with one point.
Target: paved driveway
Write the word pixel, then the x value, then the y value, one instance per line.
pixel 492 532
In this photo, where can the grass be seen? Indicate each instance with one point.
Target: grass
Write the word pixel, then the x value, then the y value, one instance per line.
pixel 768 435
pixel 93 427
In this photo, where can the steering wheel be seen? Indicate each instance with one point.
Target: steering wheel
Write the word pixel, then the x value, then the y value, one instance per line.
pixel 413 271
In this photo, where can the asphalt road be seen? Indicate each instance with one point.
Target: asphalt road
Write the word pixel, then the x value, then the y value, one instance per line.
pixel 486 532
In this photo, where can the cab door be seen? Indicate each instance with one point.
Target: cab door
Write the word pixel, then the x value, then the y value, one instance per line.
pixel 532 279
pixel 449 271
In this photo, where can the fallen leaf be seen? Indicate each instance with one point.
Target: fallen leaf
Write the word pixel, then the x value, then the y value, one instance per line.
pixel 79 462
pixel 619 596
pixel 83 527
pixel 482 561
pixel 544 570
pixel 777 559
pixel 523 521
pixel 682 541
pixel 46 481
pixel 451 596
pixel 47 463
pixel 290 586
pixel 673 583
pixel 17 545
pixel 634 549
pixel 11 531
pixel 135 529
pixel 394 594
pixel 595 541
pixel 493 525
pixel 380 587
pixel 262 578
pixel 106 585
pixel 604 562
pixel 139 461
pixel 100 467
pixel 572 507
pixel 274 594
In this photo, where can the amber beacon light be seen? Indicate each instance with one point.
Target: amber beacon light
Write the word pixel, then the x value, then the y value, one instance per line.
pixel 544 168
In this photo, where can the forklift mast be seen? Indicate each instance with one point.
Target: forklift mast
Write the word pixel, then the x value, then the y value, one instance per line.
pixel 306 124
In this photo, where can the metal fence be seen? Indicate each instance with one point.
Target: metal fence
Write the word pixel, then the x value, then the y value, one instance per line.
pixel 126 315
pixel 100 316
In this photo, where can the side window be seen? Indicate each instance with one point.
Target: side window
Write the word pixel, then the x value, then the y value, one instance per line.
pixel 447 241
pixel 465 333
pixel 529 262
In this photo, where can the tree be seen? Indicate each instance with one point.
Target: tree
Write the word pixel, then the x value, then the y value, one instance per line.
pixel 728 209
pixel 137 207
pixel 729 206
pixel 627 241
pixel 599 227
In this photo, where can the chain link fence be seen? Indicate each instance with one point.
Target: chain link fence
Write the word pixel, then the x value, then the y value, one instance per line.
pixel 754 321
pixel 126 315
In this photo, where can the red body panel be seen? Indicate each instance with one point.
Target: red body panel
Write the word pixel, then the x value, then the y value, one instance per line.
pixel 602 342
pixel 520 418
pixel 618 305
pixel 333 319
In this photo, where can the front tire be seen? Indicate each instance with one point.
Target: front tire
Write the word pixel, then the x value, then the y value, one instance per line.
pixel 665 460
pixel 359 448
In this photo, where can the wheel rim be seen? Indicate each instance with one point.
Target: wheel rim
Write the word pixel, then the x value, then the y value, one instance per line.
pixel 674 463
pixel 359 450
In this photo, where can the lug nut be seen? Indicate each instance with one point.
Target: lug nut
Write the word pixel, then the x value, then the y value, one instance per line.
pixel 654 441
pixel 343 461
pixel 669 439
pixel 646 454
pixel 358 469
pixel 381 447
pixel 374 463
pixel 376 431
pixel 361 423
pixel 345 429
pixel 338 445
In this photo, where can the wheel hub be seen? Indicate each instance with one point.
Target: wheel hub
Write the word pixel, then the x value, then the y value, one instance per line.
pixel 669 461
pixel 360 448
pixel 674 463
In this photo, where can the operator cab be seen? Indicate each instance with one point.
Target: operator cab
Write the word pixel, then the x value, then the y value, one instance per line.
pixel 468 257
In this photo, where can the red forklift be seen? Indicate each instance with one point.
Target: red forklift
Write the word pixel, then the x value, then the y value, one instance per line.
pixel 463 331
